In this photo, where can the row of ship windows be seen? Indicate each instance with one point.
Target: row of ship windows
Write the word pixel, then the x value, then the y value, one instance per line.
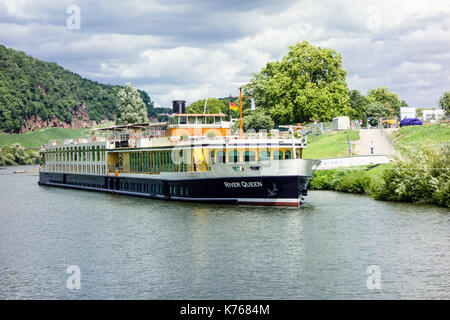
pixel 248 156
pixel 163 161
pixel 80 154
pixel 174 190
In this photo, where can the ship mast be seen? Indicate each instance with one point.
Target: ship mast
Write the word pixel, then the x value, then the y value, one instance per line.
pixel 241 131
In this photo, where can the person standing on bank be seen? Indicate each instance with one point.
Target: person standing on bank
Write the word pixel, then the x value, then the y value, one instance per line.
pixel 371 147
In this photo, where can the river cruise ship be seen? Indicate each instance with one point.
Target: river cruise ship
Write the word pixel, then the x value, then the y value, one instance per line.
pixel 191 157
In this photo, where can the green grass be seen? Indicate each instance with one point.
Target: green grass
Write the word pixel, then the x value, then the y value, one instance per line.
pixel 425 134
pixel 34 139
pixel 329 145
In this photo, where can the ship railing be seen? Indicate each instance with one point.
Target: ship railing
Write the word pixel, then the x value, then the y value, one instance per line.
pixel 158 140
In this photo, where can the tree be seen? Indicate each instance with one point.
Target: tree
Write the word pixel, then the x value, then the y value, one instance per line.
pixel 374 110
pixel 213 105
pixel 130 106
pixel 257 120
pixel 389 100
pixel 358 103
pixel 444 103
pixel 308 83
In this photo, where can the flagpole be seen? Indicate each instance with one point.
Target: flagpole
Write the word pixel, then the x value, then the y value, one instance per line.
pixel 240 112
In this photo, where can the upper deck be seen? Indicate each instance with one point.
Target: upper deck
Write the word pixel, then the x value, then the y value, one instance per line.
pixel 186 143
pixel 180 130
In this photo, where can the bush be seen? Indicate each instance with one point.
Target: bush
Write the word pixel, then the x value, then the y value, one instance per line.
pixel 421 175
pixel 345 180
pixel 17 155
pixel 354 181
pixel 321 180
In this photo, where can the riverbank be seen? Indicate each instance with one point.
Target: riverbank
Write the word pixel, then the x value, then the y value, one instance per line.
pixel 420 174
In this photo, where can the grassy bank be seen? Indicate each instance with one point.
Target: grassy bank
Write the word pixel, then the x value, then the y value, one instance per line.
pixel 421 174
pixel 362 180
pixel 419 135
pixel 34 139
pixel 329 145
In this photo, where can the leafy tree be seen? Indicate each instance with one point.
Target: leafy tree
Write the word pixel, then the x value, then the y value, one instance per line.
pixel 257 120
pixel 374 110
pixel 389 100
pixel 308 83
pixel 130 106
pixel 358 103
pixel 444 103
pixel 213 105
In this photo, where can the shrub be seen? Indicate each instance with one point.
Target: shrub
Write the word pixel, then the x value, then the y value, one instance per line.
pixel 345 180
pixel 321 180
pixel 16 154
pixel 420 175
pixel 354 181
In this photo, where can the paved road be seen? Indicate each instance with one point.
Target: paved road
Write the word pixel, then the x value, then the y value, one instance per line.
pixel 376 137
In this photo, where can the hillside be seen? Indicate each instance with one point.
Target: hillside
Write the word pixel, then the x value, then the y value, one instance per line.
pixel 34 139
pixel 35 93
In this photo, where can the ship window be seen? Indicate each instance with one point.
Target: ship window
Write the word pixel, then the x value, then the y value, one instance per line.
pixel 220 155
pixel 183 120
pixel 277 155
pixel 249 156
pixel 287 154
pixel 233 156
pixel 264 155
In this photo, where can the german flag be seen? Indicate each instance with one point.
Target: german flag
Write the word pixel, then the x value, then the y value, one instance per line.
pixel 233 106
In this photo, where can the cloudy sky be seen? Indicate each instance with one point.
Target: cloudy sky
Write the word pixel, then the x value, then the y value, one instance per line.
pixel 177 49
